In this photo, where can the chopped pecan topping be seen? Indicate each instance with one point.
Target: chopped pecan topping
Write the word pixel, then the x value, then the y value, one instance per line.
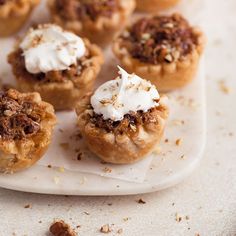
pixel 160 39
pixel 60 228
pixel 16 59
pixel 130 122
pixel 86 9
pixel 18 118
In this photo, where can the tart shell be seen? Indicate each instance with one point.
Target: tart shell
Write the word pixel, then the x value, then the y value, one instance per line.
pixel 121 148
pixel 64 95
pixel 13 16
pixel 101 31
pixel 166 76
pixel 155 5
pixel 16 155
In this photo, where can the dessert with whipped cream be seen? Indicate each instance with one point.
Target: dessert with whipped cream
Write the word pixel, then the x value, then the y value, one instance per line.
pixel 164 49
pixel 123 119
pixel 58 64
pixel 13 15
pixel 26 126
pixel 97 20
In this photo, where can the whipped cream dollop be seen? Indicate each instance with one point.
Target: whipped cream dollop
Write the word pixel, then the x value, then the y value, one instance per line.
pixel 49 48
pixel 128 93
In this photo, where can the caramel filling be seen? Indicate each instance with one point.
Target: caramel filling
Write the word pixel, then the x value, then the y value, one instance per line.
pixel 160 39
pixel 130 123
pixel 86 9
pixel 16 59
pixel 19 118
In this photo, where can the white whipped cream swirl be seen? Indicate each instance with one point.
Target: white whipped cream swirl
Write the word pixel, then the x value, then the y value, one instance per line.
pixel 128 93
pixel 49 48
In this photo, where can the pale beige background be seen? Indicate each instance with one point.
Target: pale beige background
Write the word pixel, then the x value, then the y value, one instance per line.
pixel 208 197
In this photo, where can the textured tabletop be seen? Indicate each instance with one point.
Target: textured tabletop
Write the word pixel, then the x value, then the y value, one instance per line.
pixel 204 204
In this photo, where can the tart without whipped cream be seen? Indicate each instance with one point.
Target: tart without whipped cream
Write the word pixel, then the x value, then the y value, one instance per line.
pixel 58 64
pixel 164 49
pixel 155 5
pixel 13 15
pixel 123 120
pixel 26 126
pixel 98 20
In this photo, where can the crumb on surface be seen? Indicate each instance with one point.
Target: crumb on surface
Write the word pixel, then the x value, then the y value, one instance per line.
pixel 105 229
pixel 27 206
pixel 223 87
pixel 107 170
pixel 179 141
pixel 60 228
pixel 141 201
pixel 178 218
pixel 79 156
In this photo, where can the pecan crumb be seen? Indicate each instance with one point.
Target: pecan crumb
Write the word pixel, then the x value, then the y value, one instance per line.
pixel 79 156
pixel 27 206
pixel 105 229
pixel 60 228
pixel 178 142
pixel 107 170
pixel 141 201
pixel 178 218
pixel 224 88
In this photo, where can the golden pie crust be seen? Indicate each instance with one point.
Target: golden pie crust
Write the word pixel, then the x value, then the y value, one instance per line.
pixel 155 5
pixel 19 154
pixel 166 76
pixel 102 30
pixel 13 15
pixel 121 148
pixel 63 95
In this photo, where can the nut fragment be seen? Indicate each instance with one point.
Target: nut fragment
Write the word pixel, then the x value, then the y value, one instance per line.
pixel 105 229
pixel 60 228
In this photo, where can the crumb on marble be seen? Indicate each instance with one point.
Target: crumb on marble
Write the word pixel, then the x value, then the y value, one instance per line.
pixel 105 229
pixel 178 218
pixel 107 170
pixel 223 87
pixel 141 201
pixel 27 206
pixel 179 141
pixel 59 228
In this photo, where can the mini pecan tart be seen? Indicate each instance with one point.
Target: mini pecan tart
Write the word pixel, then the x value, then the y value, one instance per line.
pixel 13 14
pixel 123 120
pixel 26 126
pixel 163 49
pixel 98 20
pixel 58 64
pixel 155 5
